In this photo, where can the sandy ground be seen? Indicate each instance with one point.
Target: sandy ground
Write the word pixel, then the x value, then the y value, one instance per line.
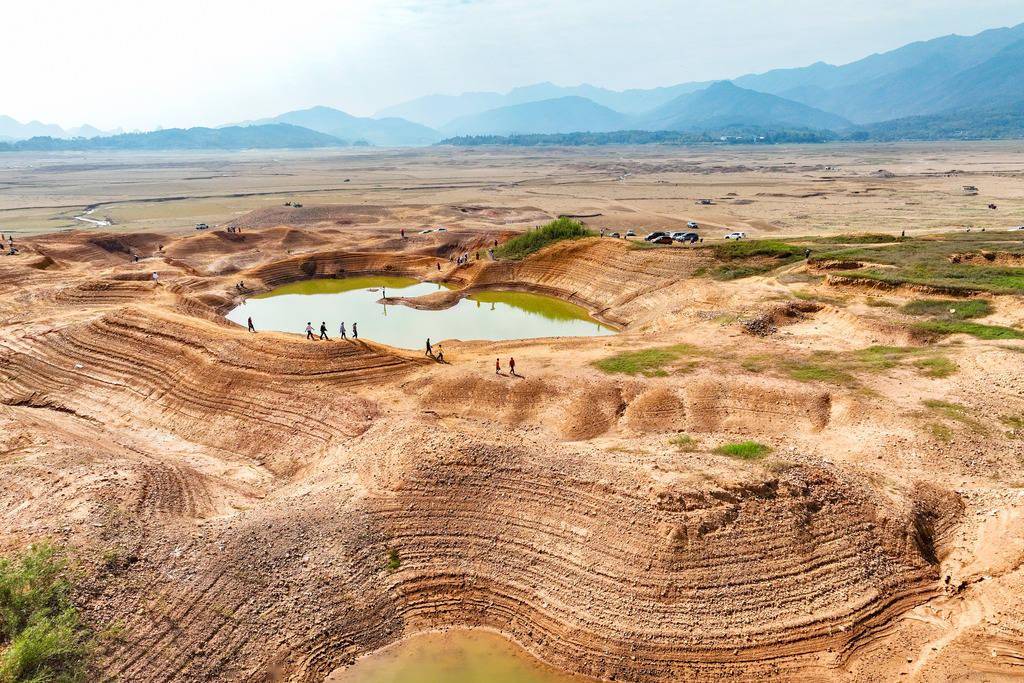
pixel 235 500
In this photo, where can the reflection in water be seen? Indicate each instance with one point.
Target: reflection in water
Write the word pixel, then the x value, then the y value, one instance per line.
pixel 457 656
pixel 509 315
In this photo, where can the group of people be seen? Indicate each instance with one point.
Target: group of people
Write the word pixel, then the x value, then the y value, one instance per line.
pixel 311 331
pixel 11 249
pixel 511 367
pixel 233 229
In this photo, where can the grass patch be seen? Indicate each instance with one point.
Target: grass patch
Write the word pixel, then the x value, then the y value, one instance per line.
pixel 879 303
pixel 744 450
pixel 648 362
pixel 944 327
pixel 940 432
pixel 862 238
pixel 949 309
pixel 936 366
pixel 745 258
pixel 806 371
pixel 557 230
pixel 394 561
pixel 41 637
pixel 955 412
pixel 1015 423
pixel 684 442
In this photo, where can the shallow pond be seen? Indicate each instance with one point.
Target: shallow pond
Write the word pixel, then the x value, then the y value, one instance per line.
pixel 456 656
pixel 494 315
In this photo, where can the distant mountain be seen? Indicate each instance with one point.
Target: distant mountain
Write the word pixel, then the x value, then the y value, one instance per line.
pixel 561 115
pixel 724 105
pixel 270 136
pixel 386 131
pixel 919 78
pixel 439 110
pixel 13 130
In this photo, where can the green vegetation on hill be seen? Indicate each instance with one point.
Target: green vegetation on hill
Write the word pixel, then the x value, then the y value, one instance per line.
pixel 557 230
pixel 949 309
pixel 744 450
pixel 722 136
pixel 744 258
pixel 41 637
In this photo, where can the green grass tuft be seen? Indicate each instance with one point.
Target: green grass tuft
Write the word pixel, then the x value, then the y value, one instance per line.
pixel 41 637
pixel 557 230
pixel 744 450
pixel 394 561
pixel 684 442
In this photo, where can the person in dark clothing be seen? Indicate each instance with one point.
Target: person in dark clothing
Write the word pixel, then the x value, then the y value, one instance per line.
pixel 439 265
pixel 430 351
pixel 497 366
pixel 512 366
pixel 309 331
pixel 323 331
pixel 355 330
pixel 807 253
pixel 252 328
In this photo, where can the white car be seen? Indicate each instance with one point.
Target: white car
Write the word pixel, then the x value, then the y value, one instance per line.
pixel 692 225
pixel 426 232
pixel 442 229
pixel 735 235
pixel 1016 228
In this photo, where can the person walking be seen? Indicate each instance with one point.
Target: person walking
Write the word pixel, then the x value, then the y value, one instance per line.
pixel 497 366
pixel 252 328
pixel 403 233
pixel 309 331
pixel 430 351
pixel 807 254
pixel 323 331
pixel 156 278
pixel 512 366
pixel 355 330
pixel 439 265
pixel 341 330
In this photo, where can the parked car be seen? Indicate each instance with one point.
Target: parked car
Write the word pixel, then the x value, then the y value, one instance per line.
pixel 427 231
pixel 442 229
pixel 735 235
pixel 685 237
pixel 202 226
pixel 1016 228
pixel 655 235
pixel 630 233
pixel 692 225
pixel 614 234
pixel 664 239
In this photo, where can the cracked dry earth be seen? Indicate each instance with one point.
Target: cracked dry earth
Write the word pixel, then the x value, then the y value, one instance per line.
pixel 234 499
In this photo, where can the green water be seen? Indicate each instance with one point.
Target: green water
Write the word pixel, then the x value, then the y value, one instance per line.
pixel 493 315
pixel 457 656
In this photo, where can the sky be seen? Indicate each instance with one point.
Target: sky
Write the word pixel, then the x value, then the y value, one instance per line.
pixel 141 64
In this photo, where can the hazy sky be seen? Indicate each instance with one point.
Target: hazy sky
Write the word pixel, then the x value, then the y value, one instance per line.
pixel 141 63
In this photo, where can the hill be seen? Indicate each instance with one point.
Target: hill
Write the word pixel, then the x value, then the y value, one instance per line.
pixel 724 105
pixel 561 115
pixel 440 110
pixel 919 78
pixel 385 132
pixel 271 136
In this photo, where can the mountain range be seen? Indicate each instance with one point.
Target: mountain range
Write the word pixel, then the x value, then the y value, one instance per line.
pixel 953 86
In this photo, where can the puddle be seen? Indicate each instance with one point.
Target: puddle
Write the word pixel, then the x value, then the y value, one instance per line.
pixel 493 315
pixel 456 656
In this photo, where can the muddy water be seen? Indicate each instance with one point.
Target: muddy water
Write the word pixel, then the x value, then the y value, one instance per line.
pixel 457 656
pixel 495 315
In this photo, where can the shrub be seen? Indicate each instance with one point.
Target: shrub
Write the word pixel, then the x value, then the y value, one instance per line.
pixel 937 366
pixel 523 245
pixel 744 450
pixel 40 634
